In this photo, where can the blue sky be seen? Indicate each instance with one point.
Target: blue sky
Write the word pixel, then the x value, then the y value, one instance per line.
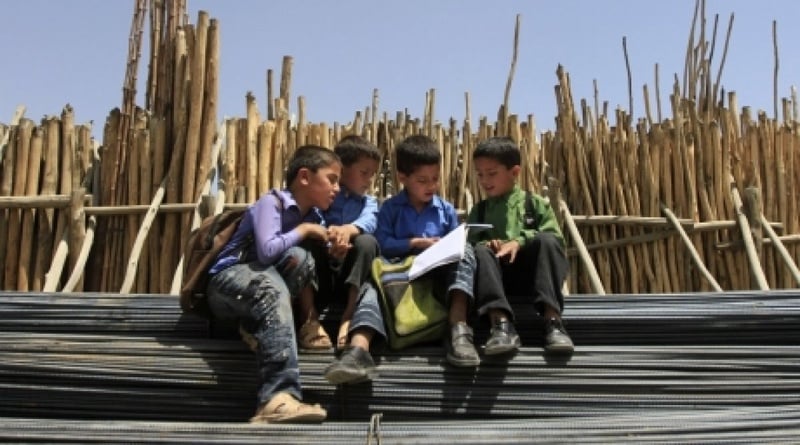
pixel 59 52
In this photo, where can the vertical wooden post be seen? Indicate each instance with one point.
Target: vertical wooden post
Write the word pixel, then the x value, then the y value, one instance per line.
pixel 752 255
pixel 251 139
pixel 26 256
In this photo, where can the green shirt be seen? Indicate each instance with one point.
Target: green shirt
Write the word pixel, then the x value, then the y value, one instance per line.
pixel 507 214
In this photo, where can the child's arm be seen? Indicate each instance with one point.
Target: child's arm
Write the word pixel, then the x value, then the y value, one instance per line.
pixel 391 246
pixel 366 222
pixel 270 241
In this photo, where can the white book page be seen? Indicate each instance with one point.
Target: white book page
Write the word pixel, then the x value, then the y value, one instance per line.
pixel 448 249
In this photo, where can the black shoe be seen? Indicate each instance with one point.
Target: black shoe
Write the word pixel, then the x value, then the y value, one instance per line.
pixel 461 351
pixel 354 365
pixel 556 337
pixel 502 338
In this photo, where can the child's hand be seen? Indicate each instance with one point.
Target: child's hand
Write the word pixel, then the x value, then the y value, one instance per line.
pixel 339 251
pixel 494 245
pixel 508 250
pixel 313 231
pixel 338 235
pixel 423 243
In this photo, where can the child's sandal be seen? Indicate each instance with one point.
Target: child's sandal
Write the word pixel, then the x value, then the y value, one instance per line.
pixel 344 333
pixel 284 408
pixel 313 336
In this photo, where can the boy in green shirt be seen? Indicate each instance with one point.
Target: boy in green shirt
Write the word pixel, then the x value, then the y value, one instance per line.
pixel 523 253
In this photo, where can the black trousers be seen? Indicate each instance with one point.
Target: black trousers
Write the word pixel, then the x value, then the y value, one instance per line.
pixel 538 272
pixel 356 268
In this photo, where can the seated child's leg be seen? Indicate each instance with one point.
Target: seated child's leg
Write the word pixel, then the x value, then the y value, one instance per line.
pixel 355 364
pixel 544 256
pixel 356 269
pixel 256 297
pixel 297 267
pixel 461 277
pixel 491 301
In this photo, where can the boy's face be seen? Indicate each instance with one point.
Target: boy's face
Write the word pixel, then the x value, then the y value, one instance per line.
pixel 357 177
pixel 321 186
pixel 495 178
pixel 422 184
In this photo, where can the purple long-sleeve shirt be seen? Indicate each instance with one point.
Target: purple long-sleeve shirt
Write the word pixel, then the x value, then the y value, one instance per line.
pixel 272 223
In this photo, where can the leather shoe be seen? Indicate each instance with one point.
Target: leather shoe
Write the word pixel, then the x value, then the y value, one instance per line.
pixel 502 338
pixel 461 350
pixel 556 337
pixel 354 365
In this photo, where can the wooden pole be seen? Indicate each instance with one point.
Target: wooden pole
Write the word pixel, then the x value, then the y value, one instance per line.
pixel 26 256
pixel 177 277
pixel 209 119
pixel 778 245
pixel 18 114
pixel 7 164
pixel 196 89
pixel 594 278
pixel 57 266
pixel 510 80
pixel 266 135
pixel 752 256
pixel 251 161
pixel 46 223
pixel 171 235
pixel 141 237
pixel 20 158
pixel 692 251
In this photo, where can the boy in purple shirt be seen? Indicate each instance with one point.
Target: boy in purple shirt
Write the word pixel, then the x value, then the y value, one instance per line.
pixel 263 270
pixel 415 219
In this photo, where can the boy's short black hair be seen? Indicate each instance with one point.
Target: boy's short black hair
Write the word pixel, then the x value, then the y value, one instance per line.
pixel 416 151
pixel 352 148
pixel 500 148
pixel 312 157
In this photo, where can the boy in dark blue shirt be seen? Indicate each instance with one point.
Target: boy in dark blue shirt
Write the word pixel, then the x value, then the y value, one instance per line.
pixel 414 220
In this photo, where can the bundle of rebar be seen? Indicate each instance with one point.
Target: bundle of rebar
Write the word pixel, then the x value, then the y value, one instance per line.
pixel 658 368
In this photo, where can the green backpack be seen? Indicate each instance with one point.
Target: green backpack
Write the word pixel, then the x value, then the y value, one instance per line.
pixel 411 312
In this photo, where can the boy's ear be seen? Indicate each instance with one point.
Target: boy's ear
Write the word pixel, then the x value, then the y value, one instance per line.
pixel 515 170
pixel 303 175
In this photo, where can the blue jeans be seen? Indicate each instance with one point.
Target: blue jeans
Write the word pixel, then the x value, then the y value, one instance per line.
pixel 368 311
pixel 259 299
pixel 459 275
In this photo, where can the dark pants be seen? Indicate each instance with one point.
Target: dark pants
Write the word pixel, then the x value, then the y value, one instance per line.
pixel 538 271
pixel 259 298
pixel 336 278
pixel 355 269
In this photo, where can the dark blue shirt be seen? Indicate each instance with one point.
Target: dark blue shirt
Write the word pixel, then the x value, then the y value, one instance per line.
pixel 399 221
pixel 350 208
pixel 272 222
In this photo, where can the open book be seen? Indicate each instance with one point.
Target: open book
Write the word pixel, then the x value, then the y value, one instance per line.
pixel 448 249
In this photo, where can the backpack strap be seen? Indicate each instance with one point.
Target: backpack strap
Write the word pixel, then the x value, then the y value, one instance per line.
pixel 482 211
pixel 530 213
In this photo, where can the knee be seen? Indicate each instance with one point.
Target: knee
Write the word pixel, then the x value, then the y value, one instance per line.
pixel 368 296
pixel 299 259
pixel 366 243
pixel 482 251
pixel 547 240
pixel 469 255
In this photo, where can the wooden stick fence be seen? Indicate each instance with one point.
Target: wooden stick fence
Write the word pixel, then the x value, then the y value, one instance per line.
pixel 648 205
